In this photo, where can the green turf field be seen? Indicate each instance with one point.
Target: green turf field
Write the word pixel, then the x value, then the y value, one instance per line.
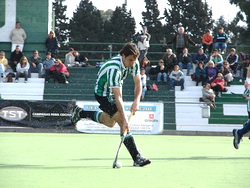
pixel 33 160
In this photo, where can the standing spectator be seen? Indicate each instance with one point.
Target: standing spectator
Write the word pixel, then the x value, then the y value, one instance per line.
pixel 47 64
pixel 170 60
pixel 244 64
pixel 144 83
pixel 177 78
pixel 15 57
pixel 220 40
pixel 217 58
pixel 22 69
pixel 232 59
pixel 207 42
pixel 36 65
pixel 227 73
pixel 70 58
pixel 52 43
pixel 200 56
pixel 185 60
pixel 211 72
pixel 161 72
pixel 17 37
pixel 60 72
pixel 218 85
pixel 208 95
pixel 143 42
pixel 181 40
pixel 200 74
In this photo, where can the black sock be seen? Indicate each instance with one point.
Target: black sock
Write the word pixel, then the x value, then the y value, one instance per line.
pixel 130 145
pixel 245 129
pixel 94 115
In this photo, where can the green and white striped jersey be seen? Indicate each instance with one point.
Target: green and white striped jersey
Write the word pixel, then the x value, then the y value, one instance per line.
pixel 112 74
pixel 247 93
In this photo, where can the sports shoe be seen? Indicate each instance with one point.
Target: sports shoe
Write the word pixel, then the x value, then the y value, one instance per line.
pixel 76 114
pixel 237 138
pixel 141 161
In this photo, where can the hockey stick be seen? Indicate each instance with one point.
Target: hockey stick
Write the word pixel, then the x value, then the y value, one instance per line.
pixel 122 140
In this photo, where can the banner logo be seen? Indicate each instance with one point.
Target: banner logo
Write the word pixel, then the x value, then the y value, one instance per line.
pixel 13 113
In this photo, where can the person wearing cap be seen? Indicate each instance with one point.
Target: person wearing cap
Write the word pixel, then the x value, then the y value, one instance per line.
pixel 143 43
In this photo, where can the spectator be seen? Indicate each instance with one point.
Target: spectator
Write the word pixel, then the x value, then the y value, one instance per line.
pixel 15 57
pixel 244 64
pixel 181 40
pixel 207 42
pixel 80 60
pixel 70 58
pixel 36 65
pixel 145 63
pixel 47 64
pixel 52 43
pixel 200 56
pixel 60 72
pixel 220 40
pixel 3 62
pixel 144 83
pixel 232 59
pixel 217 58
pixel 176 78
pixel 22 69
pixel 227 73
pixel 17 37
pixel 200 74
pixel 208 95
pixel 211 72
pixel 218 85
pixel 143 42
pixel 185 60
pixel 161 72
pixel 170 60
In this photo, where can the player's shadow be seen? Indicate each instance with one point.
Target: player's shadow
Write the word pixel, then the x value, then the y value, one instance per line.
pixel 199 158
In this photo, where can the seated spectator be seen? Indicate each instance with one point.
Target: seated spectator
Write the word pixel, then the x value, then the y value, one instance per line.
pixel 217 59
pixel 232 59
pixel 59 72
pixel 220 40
pixel 200 56
pixel 161 72
pixel 15 58
pixel 145 63
pixel 80 59
pixel 218 85
pixel 227 73
pixel 144 83
pixel 170 60
pixel 3 64
pixel 47 64
pixel 211 72
pixel 22 69
pixel 208 95
pixel 200 74
pixel 176 78
pixel 52 44
pixel 36 65
pixel 185 60
pixel 70 58
pixel 207 42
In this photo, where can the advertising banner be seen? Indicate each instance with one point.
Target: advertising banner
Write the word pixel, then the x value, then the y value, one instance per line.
pixel 147 120
pixel 40 114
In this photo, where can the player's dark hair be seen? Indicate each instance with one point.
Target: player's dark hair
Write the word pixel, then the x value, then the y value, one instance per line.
pixel 130 49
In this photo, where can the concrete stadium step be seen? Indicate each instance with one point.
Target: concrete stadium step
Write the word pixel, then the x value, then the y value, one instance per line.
pixel 31 80
pixel 210 127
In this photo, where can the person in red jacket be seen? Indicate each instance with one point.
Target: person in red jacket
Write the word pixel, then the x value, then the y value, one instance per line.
pixel 218 85
pixel 59 72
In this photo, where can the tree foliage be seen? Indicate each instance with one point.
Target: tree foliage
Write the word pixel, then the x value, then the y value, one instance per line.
pixel 61 21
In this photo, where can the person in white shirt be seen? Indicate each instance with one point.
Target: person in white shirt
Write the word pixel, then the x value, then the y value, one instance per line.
pixel 144 83
pixel 143 43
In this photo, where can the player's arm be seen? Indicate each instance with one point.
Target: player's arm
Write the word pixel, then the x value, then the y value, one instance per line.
pixel 119 104
pixel 137 92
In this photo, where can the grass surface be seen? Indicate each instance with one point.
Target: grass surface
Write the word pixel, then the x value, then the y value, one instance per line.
pixel 85 160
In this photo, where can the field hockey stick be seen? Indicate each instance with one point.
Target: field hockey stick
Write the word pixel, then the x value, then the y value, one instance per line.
pixel 122 140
